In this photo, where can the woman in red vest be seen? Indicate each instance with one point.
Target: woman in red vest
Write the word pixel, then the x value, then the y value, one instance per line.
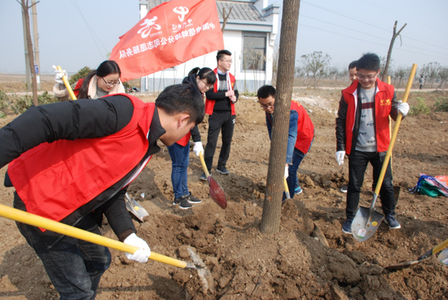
pixel 98 83
pixel 202 80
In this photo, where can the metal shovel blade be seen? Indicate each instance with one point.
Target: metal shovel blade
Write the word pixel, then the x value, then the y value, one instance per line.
pixel 217 193
pixel 367 220
pixel 135 208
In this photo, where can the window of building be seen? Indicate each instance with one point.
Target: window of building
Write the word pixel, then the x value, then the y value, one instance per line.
pixel 254 51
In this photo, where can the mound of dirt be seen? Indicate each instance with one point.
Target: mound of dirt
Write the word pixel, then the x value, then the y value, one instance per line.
pixel 309 258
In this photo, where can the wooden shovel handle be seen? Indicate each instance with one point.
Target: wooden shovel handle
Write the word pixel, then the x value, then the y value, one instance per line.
pixel 38 221
pixel 204 166
pixel 67 85
pixel 395 132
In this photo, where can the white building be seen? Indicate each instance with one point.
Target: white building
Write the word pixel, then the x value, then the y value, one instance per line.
pixel 249 33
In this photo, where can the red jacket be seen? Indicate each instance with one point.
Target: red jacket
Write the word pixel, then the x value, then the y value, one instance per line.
pixel 305 128
pixel 210 104
pixel 383 106
pixel 55 179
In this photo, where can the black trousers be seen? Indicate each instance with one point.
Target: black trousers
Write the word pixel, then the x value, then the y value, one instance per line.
pixel 222 122
pixel 357 167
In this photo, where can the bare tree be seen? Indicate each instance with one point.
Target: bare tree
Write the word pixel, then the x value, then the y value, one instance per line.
pixel 316 63
pixel 395 34
pixel 270 222
pixel 443 75
pixel 25 7
pixel 401 73
pixel 430 71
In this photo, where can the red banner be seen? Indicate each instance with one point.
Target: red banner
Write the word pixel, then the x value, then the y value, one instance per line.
pixel 170 34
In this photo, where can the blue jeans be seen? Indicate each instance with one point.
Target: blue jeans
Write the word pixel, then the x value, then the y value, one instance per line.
pixel 74 266
pixel 180 157
pixel 293 180
pixel 357 165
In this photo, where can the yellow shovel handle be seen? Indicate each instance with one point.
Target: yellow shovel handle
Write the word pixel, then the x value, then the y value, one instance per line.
pixel 395 131
pixel 38 221
pixel 204 166
pixel 67 85
pixel 285 186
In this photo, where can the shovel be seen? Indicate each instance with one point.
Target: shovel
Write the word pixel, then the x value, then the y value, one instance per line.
pixel 367 220
pixel 135 208
pixel 425 256
pixel 64 229
pixel 131 205
pixel 216 191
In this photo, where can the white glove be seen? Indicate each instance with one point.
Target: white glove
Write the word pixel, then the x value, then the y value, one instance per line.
pixel 198 148
pixel 340 157
pixel 403 108
pixel 286 171
pixel 142 254
pixel 59 74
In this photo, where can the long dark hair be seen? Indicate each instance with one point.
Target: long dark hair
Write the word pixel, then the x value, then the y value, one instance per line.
pixel 107 67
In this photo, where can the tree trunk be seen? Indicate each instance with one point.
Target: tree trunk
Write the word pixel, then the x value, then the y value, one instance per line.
pixel 270 222
pixel 391 46
pixel 25 8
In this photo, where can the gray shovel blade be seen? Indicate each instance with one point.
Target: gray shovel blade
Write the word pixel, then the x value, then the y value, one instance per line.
pixel 362 227
pixel 135 208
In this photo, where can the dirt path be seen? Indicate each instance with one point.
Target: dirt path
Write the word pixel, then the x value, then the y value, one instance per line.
pixel 291 264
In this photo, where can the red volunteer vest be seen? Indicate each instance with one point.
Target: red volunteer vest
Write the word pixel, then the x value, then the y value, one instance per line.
pixel 383 106
pixel 210 104
pixel 305 128
pixel 55 179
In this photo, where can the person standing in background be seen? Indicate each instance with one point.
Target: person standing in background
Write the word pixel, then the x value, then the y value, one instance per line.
pixel 220 106
pixel 98 83
pixel 202 80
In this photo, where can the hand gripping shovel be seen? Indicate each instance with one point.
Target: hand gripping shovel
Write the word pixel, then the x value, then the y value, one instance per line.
pixel 131 205
pixel 38 221
pixel 425 256
pixel 216 191
pixel 367 220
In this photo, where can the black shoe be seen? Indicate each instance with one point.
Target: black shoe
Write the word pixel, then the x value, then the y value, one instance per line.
pixel 347 226
pixel 203 177
pixel 191 199
pixel 222 170
pixel 344 189
pixel 182 202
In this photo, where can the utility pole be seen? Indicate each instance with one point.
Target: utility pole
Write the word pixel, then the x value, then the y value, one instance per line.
pixel 27 58
pixel 29 42
pixel 36 43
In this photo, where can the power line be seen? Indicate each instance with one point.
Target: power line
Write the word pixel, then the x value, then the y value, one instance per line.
pixel 367 41
pixel 92 33
pixel 423 42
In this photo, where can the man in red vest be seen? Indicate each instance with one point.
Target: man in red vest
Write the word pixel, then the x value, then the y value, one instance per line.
pixel 300 134
pixel 362 132
pixel 220 105
pixel 72 162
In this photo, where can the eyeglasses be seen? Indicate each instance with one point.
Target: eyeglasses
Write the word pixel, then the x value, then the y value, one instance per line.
pixel 368 77
pixel 111 83
pixel 207 86
pixel 227 61
pixel 266 106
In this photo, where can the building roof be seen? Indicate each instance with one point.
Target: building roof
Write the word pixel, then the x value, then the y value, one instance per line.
pixel 242 10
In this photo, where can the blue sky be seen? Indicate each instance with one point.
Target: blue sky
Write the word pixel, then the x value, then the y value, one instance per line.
pixel 78 33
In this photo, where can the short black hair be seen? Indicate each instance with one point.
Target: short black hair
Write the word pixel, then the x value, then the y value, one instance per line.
pixel 369 62
pixel 182 98
pixel 353 64
pixel 221 54
pixel 266 91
